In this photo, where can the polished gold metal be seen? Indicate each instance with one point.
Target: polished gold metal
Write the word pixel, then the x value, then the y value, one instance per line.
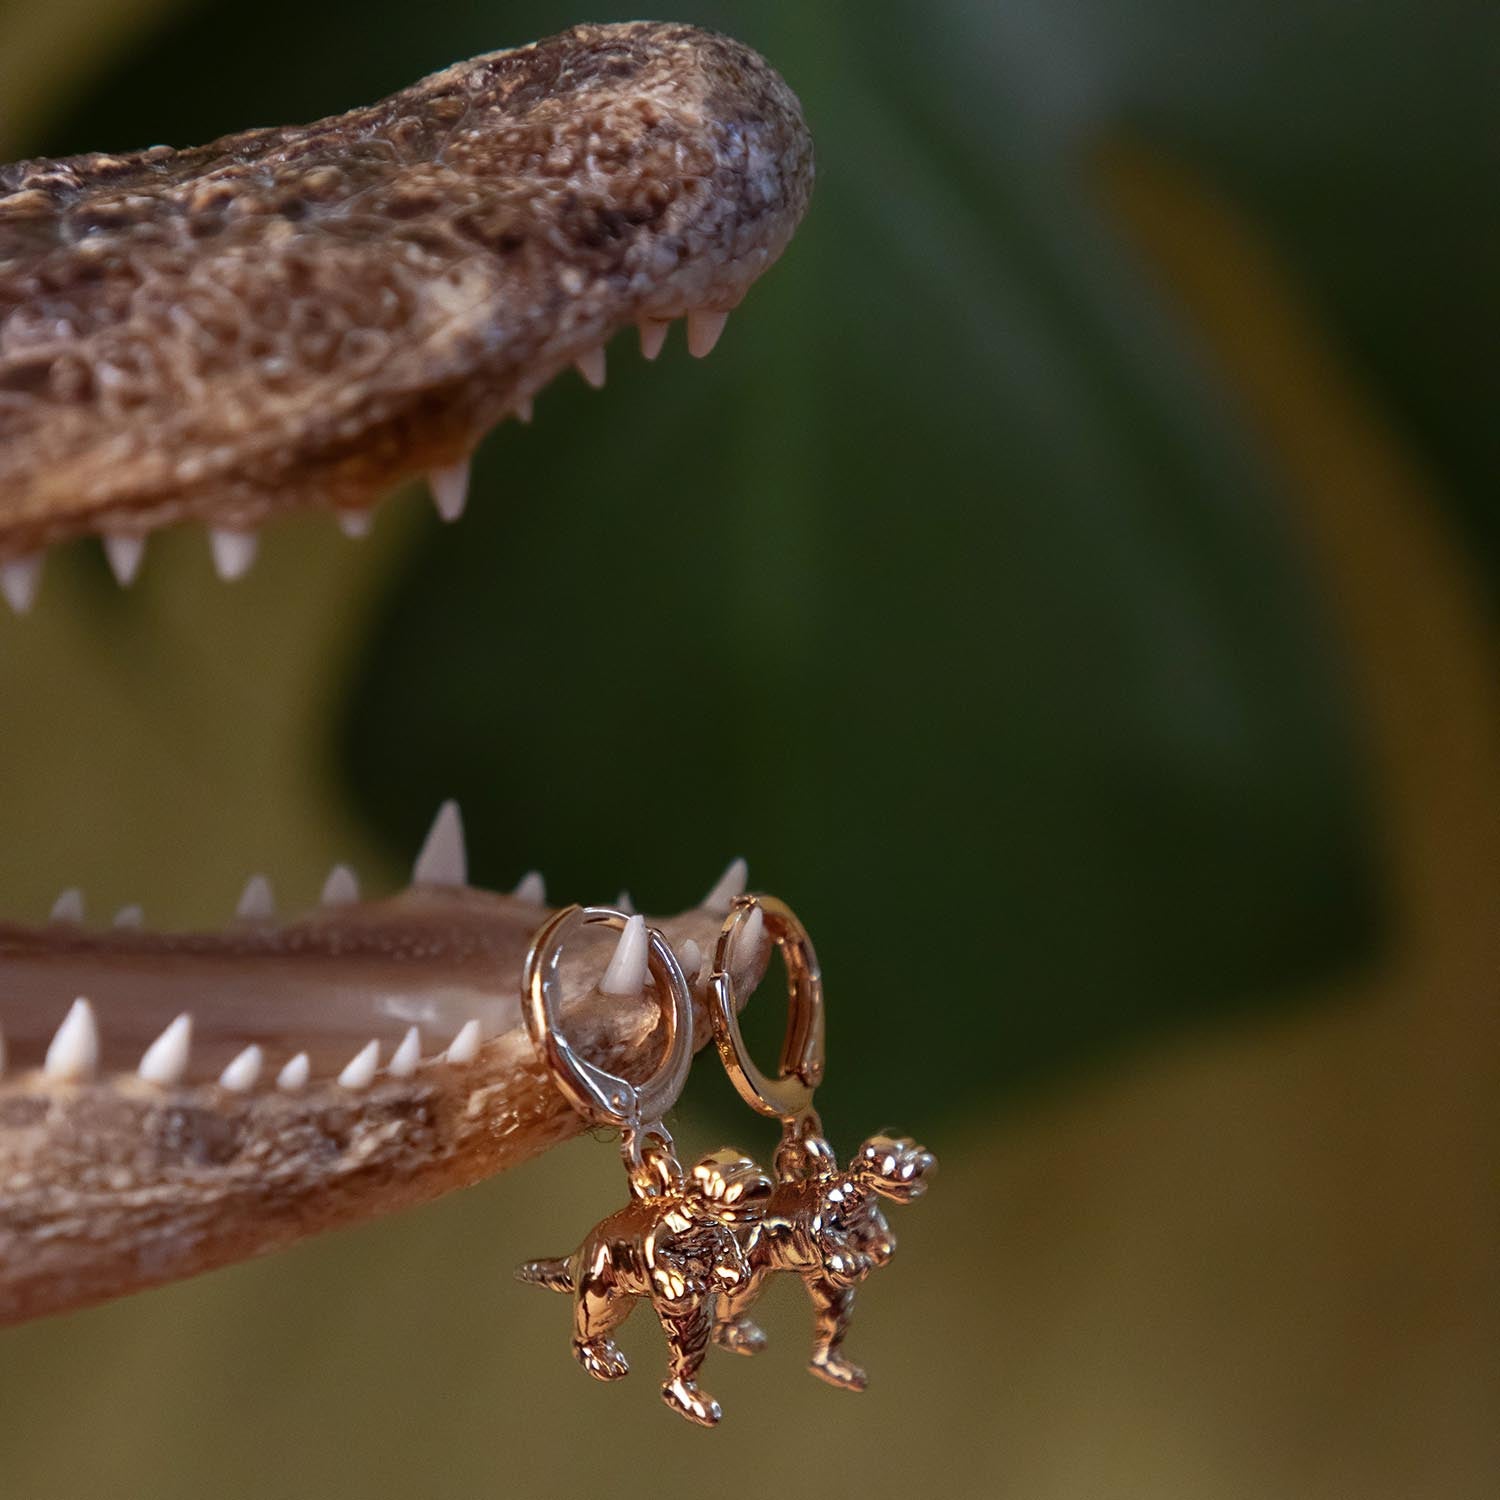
pixel 789 1095
pixel 701 1245
pixel 675 1242
pixel 678 1249
pixel 827 1227
pixel 822 1222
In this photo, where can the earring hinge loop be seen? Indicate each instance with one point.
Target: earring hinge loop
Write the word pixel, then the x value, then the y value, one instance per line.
pixel 603 1097
pixel 787 1097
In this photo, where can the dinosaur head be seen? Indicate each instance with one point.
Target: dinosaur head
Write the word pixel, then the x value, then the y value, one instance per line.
pixel 729 1188
pixel 896 1167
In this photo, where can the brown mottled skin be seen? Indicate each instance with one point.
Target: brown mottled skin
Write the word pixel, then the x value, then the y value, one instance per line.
pixel 115 1184
pixel 307 316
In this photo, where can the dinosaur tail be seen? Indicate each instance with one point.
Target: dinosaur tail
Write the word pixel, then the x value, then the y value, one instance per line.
pixel 552 1274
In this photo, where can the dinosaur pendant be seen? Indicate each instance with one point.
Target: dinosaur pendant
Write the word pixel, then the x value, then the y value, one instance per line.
pixel 700 1245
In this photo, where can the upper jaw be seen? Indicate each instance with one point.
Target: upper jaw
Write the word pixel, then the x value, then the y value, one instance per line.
pixel 537 202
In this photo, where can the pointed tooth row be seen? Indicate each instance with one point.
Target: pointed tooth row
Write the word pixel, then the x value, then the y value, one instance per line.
pixel 705 328
pixel 234 550
pixel 626 974
pixel 73 1056
pixel 125 551
pixel 443 861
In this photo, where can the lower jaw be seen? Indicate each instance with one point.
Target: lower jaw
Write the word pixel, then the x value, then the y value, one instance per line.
pixel 336 1067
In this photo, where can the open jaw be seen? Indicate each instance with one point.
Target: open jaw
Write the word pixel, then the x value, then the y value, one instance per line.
pixel 307 317
pixel 173 1101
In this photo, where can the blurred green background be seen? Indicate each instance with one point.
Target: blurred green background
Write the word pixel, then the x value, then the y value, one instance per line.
pixel 1071 584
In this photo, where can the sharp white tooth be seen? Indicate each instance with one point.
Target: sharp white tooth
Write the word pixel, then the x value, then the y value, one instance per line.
pixel 592 367
pixel 256 901
pixel 752 936
pixel 234 552
pixel 69 906
pixel 690 956
pixel 124 552
pixel 704 329
pixel 525 409
pixel 242 1073
pixel 731 884
pixel 625 904
pixel 293 1077
pixel 359 1072
pixel 165 1061
pixel 341 888
pixel 626 974
pixel 653 336
pixel 129 916
pixel 73 1053
pixel 531 888
pixel 443 860
pixel 355 524
pixel 407 1057
pixel 464 1048
pixel 19 580
pixel 450 489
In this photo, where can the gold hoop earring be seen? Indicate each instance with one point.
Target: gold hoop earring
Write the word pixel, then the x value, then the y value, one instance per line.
pixel 674 1243
pixel 823 1221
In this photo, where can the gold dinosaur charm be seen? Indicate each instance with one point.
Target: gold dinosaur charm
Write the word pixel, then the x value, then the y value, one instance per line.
pixel 701 1245
pixel 826 1226
pixel 678 1249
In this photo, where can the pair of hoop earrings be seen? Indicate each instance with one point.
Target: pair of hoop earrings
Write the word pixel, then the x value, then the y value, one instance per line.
pixel 700 1244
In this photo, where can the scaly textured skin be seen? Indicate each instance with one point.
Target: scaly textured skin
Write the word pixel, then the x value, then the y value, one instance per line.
pixel 310 315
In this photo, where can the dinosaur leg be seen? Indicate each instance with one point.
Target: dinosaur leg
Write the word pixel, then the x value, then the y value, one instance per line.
pixel 733 1329
pixel 598 1310
pixel 687 1330
pixel 832 1306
